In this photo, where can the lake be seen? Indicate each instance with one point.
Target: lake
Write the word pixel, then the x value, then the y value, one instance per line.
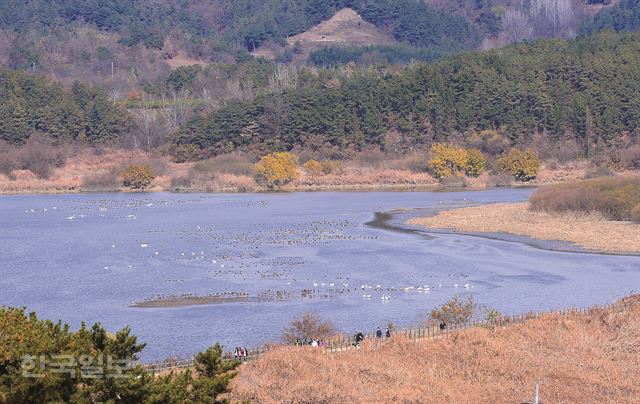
pixel 270 257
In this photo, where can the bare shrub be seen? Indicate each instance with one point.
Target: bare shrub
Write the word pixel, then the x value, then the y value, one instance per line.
pixel 613 197
pixel 180 183
pixel 240 183
pixel 186 152
pixel 37 156
pixel 371 157
pixel 453 181
pixel 566 151
pixel 308 326
pixel 599 171
pixel 331 167
pixel 158 166
pixel 225 163
pixel 416 163
pixel 631 158
pixel 500 180
pixel 312 168
pixel 635 214
pixel 490 142
pixel 8 161
pixel 103 182
pixel 456 311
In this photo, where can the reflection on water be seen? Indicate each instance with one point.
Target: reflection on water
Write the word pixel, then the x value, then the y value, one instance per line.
pixel 237 268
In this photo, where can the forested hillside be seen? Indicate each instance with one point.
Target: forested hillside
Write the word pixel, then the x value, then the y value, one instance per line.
pixel 624 16
pixel 32 105
pixel 248 23
pixel 587 89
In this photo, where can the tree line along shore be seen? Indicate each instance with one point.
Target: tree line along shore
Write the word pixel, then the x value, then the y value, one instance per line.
pixel 575 101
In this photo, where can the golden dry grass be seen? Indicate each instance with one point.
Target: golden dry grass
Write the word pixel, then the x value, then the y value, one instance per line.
pixel 576 359
pixel 588 231
pixel 354 176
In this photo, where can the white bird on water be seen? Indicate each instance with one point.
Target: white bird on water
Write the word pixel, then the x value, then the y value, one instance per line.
pixel 113 246
pixel 144 245
pixel 71 217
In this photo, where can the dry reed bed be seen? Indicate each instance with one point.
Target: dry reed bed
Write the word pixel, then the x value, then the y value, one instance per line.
pixel 589 231
pixel 576 358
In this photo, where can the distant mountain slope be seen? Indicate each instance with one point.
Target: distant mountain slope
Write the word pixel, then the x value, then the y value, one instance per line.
pixel 586 89
pixel 624 16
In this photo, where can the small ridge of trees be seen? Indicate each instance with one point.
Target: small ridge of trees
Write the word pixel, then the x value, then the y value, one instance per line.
pixel 26 334
pixel 34 105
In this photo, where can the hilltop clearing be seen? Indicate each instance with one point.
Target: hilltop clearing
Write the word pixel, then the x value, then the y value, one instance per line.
pixel 345 28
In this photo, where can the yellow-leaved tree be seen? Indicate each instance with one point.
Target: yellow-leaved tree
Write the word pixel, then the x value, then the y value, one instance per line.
pixel 476 163
pixel 137 176
pixel 447 160
pixel 278 169
pixel 522 164
pixel 313 168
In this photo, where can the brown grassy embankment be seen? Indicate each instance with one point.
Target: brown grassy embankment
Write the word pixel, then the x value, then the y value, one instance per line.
pixel 615 198
pixel 590 231
pixel 593 214
pixel 576 358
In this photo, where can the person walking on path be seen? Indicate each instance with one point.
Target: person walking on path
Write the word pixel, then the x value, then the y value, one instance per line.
pixel 387 333
pixel 378 333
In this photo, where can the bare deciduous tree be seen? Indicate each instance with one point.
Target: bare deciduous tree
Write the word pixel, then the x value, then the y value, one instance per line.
pixel 275 118
pixel 554 18
pixel 152 129
pixel 241 91
pixel 176 109
pixel 517 26
pixel 308 326
pixel 283 78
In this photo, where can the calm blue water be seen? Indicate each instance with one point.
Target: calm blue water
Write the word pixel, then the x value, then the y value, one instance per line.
pixel 83 258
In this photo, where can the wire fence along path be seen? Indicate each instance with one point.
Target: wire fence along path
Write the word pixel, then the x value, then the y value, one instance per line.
pixel 344 342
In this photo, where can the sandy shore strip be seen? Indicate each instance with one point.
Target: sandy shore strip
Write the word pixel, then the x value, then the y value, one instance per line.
pixel 587 231
pixel 192 301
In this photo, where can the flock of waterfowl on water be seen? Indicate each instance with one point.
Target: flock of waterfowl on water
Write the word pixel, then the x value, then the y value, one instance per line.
pixel 243 261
